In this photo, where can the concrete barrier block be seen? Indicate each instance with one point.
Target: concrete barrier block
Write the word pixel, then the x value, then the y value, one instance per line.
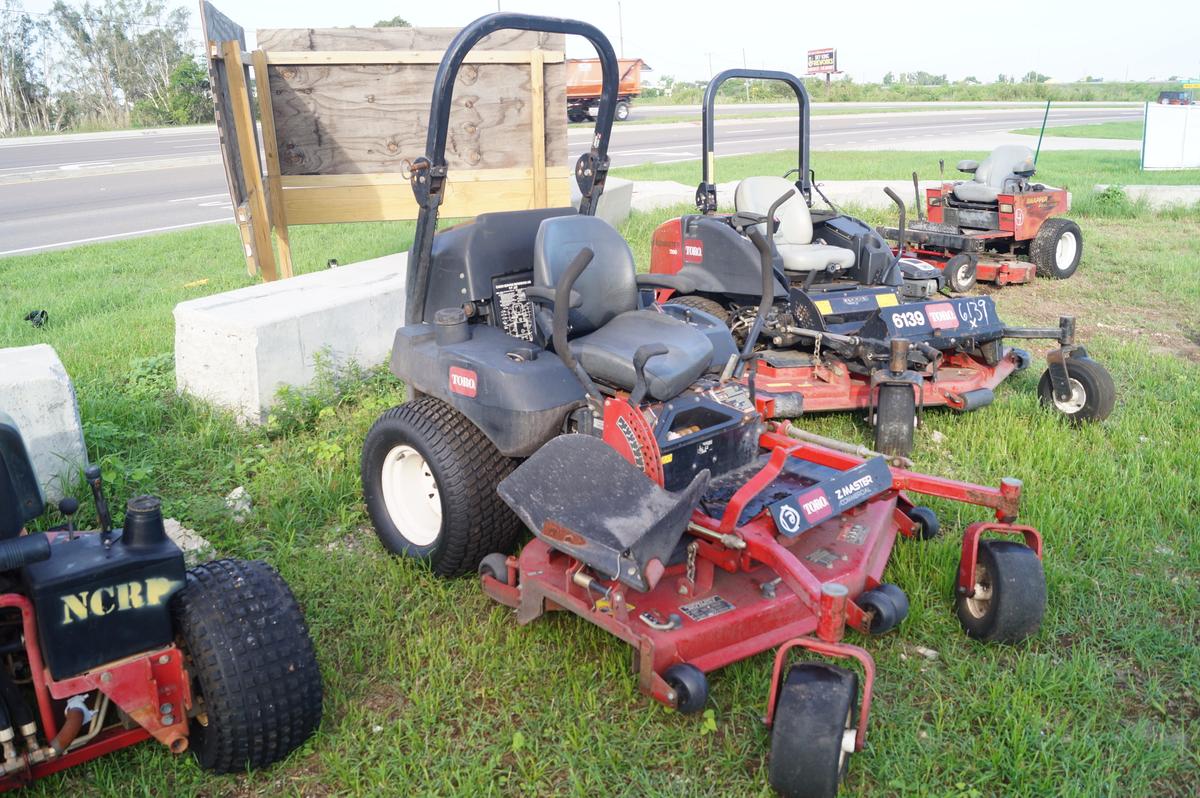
pixel 237 349
pixel 39 395
pixel 615 202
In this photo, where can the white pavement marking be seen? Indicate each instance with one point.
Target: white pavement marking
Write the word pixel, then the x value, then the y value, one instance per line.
pixel 130 234
pixel 200 197
pixel 84 165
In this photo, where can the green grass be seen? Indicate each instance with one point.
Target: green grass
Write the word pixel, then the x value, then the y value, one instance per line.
pixel 1075 169
pixel 727 112
pixel 1131 130
pixel 431 689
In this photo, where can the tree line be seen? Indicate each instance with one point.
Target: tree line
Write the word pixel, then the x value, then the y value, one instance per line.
pixel 109 64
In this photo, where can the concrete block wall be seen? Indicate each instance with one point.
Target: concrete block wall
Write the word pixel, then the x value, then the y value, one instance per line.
pixel 39 395
pixel 238 348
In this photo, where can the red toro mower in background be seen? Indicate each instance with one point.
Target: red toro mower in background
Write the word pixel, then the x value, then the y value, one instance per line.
pixel 852 325
pixel 997 227
pixel 109 641
pixel 664 508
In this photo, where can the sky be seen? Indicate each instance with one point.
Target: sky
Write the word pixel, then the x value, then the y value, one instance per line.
pixel 1065 40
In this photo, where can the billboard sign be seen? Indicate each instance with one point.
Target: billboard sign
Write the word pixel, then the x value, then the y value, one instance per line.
pixel 822 61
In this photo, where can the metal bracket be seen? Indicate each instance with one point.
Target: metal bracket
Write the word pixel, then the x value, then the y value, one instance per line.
pixel 428 182
pixel 706 198
pixel 590 173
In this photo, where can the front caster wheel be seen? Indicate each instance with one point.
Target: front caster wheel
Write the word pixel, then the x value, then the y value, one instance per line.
pixel 1009 593
pixel 690 686
pixel 895 420
pixel 925 521
pixel 960 272
pixel 813 735
pixel 888 606
pixel 1092 391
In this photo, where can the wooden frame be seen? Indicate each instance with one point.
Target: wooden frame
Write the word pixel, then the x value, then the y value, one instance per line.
pixel 313 187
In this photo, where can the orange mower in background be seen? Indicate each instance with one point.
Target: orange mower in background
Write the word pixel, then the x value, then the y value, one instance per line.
pixel 584 82
pixel 997 226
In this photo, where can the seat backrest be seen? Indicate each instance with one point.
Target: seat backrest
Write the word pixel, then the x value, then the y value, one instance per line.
pixel 1008 162
pixel 608 286
pixel 757 194
pixel 20 497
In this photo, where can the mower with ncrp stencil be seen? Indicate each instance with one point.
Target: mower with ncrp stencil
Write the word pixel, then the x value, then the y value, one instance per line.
pixel 999 226
pixel 852 325
pixel 109 640
pixel 665 509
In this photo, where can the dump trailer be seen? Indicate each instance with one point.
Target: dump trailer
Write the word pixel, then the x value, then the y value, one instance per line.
pixel 583 87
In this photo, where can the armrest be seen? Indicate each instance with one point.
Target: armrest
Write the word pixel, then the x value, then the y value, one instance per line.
pixel 544 295
pixel 675 282
pixel 968 166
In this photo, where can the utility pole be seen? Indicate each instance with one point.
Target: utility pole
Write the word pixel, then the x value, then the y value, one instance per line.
pixel 744 67
pixel 710 72
pixel 621 28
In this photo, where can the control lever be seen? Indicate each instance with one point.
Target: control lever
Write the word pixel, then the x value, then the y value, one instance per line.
pixel 68 506
pixel 92 475
pixel 640 388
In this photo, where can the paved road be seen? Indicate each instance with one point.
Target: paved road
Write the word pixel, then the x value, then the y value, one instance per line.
pixel 61 191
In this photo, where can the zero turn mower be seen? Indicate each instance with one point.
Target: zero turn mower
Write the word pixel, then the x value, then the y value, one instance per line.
pixel 109 641
pixel 997 227
pixel 664 508
pixel 852 324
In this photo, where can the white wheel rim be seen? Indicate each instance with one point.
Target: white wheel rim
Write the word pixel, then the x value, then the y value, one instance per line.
pixel 978 604
pixel 410 494
pixel 964 274
pixel 1064 251
pixel 849 741
pixel 1073 403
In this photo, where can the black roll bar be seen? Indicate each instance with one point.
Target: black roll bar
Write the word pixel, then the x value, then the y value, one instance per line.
pixel 429 171
pixel 706 192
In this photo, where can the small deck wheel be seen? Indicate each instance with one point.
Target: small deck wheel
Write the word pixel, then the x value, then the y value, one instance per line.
pixel 926 521
pixel 895 419
pixel 813 735
pixel 1009 593
pixel 1092 391
pixel 690 686
pixel 496 566
pixel 888 606
pixel 960 272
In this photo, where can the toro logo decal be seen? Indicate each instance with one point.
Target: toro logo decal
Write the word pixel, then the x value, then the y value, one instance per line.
pixel 942 316
pixel 693 250
pixel 815 506
pixel 463 382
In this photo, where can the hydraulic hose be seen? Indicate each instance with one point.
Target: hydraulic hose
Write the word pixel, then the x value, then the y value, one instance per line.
pixel 18 711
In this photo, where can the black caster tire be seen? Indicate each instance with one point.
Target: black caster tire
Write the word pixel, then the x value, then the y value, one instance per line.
pixel 1057 248
pixel 928 526
pixel 1010 594
pixel 255 677
pixel 960 272
pixel 496 566
pixel 814 727
pixel 888 605
pixel 690 686
pixel 1093 393
pixel 429 480
pixel 895 420
pixel 701 303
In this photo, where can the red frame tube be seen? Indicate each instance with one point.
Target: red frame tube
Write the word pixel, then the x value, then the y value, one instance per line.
pixel 837 651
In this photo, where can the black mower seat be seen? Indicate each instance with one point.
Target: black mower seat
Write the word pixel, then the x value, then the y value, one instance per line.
pixel 1002 172
pixel 607 327
pixel 794 237
pixel 20 497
